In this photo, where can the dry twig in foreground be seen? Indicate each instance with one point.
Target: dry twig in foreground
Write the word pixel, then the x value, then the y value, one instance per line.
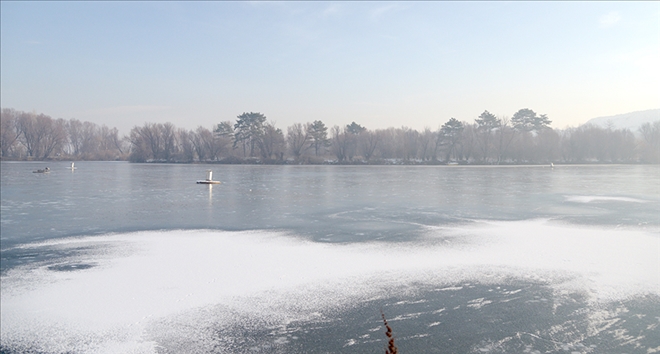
pixel 391 347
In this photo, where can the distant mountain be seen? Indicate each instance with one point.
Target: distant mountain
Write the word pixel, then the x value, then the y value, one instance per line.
pixel 632 120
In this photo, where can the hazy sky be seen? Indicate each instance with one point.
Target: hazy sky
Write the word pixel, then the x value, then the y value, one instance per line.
pixel 380 64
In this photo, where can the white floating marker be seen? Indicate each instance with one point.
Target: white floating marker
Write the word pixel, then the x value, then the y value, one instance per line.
pixel 209 179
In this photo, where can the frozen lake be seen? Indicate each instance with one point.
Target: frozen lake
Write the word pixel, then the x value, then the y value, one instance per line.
pixel 136 258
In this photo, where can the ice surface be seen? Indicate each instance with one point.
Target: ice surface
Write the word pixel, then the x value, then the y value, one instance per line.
pixel 138 279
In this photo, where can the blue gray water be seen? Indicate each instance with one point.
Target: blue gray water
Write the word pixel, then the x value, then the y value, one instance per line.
pixel 461 259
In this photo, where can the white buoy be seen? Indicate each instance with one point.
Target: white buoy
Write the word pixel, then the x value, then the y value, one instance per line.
pixel 552 165
pixel 73 166
pixel 209 178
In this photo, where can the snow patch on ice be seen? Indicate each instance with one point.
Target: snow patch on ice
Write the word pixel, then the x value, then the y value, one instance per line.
pixel 142 278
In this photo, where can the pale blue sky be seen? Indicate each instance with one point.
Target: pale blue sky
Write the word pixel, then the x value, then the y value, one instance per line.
pixel 380 64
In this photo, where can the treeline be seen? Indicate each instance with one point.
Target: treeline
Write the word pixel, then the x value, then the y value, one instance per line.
pixel 32 136
pixel 524 138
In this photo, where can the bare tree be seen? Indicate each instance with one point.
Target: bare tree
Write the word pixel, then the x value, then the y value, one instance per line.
pixel 425 143
pixel 120 144
pixel 9 131
pixel 438 142
pixel 650 147
pixel 272 143
pixel 387 145
pixel 505 135
pixel 547 146
pixel 41 135
pixel 110 146
pixel 199 139
pixel 169 139
pixel 368 143
pixel 298 139
pixel 29 133
pixel 410 143
pixel 186 147
pixel 55 136
pixel 89 140
pixel 340 142
pixel 146 142
pixel 74 129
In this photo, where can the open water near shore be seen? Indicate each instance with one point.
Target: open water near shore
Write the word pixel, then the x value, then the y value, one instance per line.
pixel 136 258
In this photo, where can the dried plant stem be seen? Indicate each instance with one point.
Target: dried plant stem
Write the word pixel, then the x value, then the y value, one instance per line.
pixel 391 347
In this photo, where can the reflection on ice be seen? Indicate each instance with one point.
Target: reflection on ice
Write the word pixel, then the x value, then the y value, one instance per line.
pixel 594 198
pixel 137 291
